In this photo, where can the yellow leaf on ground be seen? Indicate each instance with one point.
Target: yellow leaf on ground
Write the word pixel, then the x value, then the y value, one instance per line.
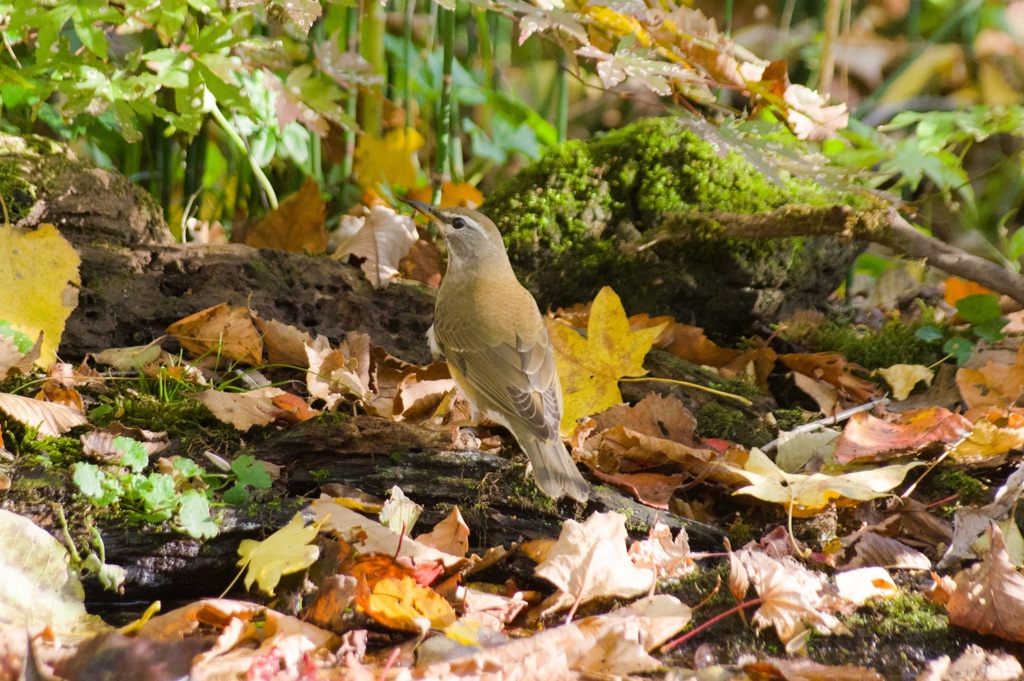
pixel 40 284
pixel 809 493
pixel 590 368
pixel 403 604
pixel 286 551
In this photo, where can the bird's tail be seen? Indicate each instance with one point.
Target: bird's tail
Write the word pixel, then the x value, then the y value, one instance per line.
pixel 554 469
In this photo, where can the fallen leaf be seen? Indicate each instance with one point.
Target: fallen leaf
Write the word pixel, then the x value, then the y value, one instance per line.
pixel 989 596
pixel 589 561
pixel 384 239
pixel 903 377
pixel 452 194
pixel 48 418
pixel 451 535
pixel 970 523
pixel 38 587
pixel 242 410
pixel 41 281
pixel 297 225
pixel 400 513
pixel 985 442
pixel 405 605
pixel 286 344
pixel 860 585
pixel 833 368
pixel 667 557
pixel 974 664
pixel 369 536
pixel 994 385
pixel 792 597
pixel 615 644
pixel 220 330
pixel 869 438
pixel 804 494
pixel 286 551
pixel 684 341
pixel 873 549
pixel 590 368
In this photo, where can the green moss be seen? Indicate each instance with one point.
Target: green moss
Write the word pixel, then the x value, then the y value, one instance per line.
pixel 788 419
pixel 893 343
pixel 909 611
pixel 969 490
pixel 590 214
pixel 715 420
pixel 19 194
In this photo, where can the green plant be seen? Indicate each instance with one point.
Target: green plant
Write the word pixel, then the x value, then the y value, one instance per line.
pixel 157 497
pixel 984 321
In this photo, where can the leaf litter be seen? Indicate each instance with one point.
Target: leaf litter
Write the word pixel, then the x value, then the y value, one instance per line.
pixel 649 450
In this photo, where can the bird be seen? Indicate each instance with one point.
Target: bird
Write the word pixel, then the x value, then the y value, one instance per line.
pixel 490 331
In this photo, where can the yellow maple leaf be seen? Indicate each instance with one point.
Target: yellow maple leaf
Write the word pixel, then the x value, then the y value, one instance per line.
pixel 390 159
pixel 41 280
pixel 590 368
pixel 286 551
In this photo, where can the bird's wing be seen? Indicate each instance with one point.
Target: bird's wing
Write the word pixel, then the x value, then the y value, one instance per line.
pixel 516 379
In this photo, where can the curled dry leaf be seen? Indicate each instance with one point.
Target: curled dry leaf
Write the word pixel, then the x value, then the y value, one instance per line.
pixel 220 330
pixel 383 241
pixel 369 536
pixel 451 535
pixel 666 556
pixel 869 438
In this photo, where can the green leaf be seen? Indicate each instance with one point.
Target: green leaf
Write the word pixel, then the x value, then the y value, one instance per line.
pixel 979 308
pixel 960 349
pixel 134 455
pixel 194 516
pixel 187 467
pixel 95 484
pixel 158 497
pixel 929 334
pixel 251 472
pixel 992 330
pixel 237 495
pixel 22 341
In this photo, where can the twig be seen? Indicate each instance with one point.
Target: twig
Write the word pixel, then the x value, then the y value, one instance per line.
pixel 828 421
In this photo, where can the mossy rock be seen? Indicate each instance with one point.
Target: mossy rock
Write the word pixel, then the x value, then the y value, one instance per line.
pixel 42 181
pixel 568 217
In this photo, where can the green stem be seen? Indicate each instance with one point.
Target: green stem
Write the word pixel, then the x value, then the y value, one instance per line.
pixel 562 115
pixel 371 46
pixel 742 400
pixel 443 130
pixel 352 102
pixel 239 143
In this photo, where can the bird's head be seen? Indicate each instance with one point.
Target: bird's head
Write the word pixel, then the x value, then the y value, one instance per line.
pixel 470 235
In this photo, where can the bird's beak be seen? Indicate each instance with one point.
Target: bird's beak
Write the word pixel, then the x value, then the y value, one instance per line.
pixel 424 208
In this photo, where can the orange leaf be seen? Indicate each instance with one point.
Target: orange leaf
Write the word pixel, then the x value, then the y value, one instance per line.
pixel 297 225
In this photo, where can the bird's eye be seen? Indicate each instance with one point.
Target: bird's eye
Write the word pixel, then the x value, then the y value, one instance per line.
pixel 458 223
